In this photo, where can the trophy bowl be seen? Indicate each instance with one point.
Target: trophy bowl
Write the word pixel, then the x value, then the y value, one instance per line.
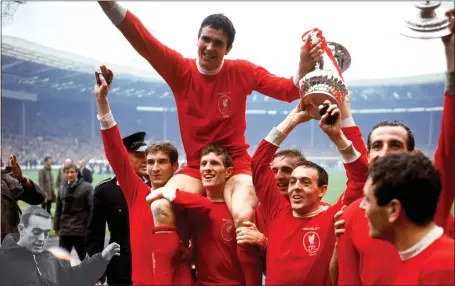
pixel 427 22
pixel 325 83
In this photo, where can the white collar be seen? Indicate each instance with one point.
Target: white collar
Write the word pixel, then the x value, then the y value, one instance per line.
pixel 314 213
pixel 420 246
pixel 206 72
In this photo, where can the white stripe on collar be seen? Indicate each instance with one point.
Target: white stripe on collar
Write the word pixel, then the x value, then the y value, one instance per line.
pixel 314 213
pixel 420 246
pixel 206 72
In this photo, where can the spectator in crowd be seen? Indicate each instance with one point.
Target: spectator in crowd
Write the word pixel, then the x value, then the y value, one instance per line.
pixel 46 183
pixel 74 203
pixel 24 261
pixel 61 174
pixel 85 172
pixel 15 187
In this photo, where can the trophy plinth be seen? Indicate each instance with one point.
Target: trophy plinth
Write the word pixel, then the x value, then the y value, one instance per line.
pixel 428 22
pixel 325 82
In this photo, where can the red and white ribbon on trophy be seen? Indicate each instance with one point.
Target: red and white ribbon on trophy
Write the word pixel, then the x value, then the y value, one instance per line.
pixel 316 33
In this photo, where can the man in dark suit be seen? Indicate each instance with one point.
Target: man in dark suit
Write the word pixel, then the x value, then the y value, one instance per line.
pixel 85 172
pixel 109 206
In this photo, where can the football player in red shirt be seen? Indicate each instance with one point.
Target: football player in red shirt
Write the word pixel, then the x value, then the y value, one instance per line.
pixel 303 219
pixel 144 245
pixel 400 200
pixel 210 93
pixel 211 223
pixel 359 256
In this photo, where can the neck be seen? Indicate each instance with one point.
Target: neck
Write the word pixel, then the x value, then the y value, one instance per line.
pixel 408 235
pixel 207 72
pixel 309 212
pixel 215 194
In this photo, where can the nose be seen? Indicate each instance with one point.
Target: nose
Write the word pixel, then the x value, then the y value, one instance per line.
pixel 279 175
pixel 155 167
pixel 362 204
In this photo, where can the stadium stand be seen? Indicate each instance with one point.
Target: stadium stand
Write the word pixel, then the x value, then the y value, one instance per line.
pixel 47 105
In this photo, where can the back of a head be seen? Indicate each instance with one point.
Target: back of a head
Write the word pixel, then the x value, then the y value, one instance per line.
pixel 410 178
pixel 219 22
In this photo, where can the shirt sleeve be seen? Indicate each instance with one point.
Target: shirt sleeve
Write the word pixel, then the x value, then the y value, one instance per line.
pixel 118 158
pixel 264 180
pixel 198 207
pixel 348 256
pixel 444 160
pixel 270 85
pixel 168 63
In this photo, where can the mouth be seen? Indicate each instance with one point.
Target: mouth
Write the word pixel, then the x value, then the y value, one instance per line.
pixel 282 186
pixel 208 57
pixel 208 176
pixel 297 198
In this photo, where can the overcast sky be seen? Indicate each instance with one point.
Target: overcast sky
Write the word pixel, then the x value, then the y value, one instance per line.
pixel 268 33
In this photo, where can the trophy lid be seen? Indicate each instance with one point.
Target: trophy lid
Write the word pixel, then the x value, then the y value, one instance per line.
pixel 341 54
pixel 426 23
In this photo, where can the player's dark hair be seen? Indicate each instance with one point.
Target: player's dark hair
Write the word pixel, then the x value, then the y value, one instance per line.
pixel 31 211
pixel 410 141
pixel 219 22
pixel 47 158
pixel 166 147
pixel 410 178
pixel 290 153
pixel 323 177
pixel 219 151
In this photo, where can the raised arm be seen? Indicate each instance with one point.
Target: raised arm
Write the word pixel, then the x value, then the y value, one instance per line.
pixel 444 158
pixel 355 164
pixel 116 153
pixel 287 89
pixel 263 177
pixel 167 62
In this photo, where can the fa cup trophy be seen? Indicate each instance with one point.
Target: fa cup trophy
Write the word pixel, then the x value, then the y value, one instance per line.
pixel 326 81
pixel 428 22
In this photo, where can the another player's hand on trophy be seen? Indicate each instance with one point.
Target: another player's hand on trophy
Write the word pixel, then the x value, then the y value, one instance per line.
pixel 309 56
pixel 339 223
pixel 332 129
pixel 110 251
pixel 449 41
pixel 345 107
pixel 103 84
pixel 299 115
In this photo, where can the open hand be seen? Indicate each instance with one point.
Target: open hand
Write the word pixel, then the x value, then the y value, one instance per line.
pixel 110 251
pixel 339 223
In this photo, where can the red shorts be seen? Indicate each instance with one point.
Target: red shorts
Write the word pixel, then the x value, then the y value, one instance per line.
pixel 242 165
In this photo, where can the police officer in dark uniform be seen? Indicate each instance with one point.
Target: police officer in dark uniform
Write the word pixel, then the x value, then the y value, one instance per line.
pixel 109 206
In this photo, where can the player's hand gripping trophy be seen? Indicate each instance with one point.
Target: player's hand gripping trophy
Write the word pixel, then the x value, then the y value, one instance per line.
pixel 326 81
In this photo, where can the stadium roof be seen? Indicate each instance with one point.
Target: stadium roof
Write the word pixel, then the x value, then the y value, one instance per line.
pixel 28 51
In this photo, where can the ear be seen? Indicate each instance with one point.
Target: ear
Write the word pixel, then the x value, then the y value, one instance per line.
pixel 394 210
pixel 229 172
pixel 21 228
pixel 175 166
pixel 228 50
pixel 322 191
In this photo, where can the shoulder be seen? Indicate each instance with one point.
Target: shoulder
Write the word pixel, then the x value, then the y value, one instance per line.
pixel 240 64
pixel 106 184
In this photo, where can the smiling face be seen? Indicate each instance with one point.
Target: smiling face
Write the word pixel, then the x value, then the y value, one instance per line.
pixel 282 167
pixel 304 192
pixel 159 168
pixel 386 139
pixel 214 173
pixel 212 47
